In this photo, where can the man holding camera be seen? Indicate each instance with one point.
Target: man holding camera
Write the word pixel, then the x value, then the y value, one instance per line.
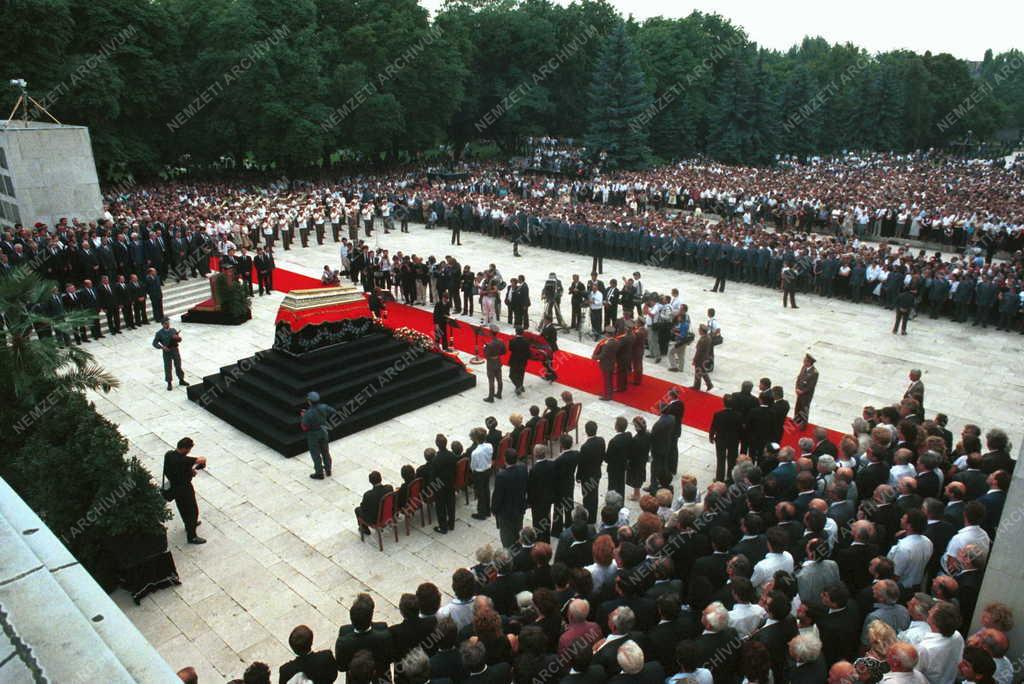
pixel 551 293
pixel 167 340
pixel 179 469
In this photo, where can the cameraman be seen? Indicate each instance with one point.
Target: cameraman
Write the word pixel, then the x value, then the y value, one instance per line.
pixel 167 339
pixel 179 469
pixel 551 294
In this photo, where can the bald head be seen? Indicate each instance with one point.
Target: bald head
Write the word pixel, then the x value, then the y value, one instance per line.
pixel 902 657
pixel 843 672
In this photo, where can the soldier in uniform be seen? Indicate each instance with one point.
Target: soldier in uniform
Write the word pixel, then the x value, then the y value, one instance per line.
pixel 493 351
pixel 806 381
pixel 167 339
pixel 702 359
pixel 605 353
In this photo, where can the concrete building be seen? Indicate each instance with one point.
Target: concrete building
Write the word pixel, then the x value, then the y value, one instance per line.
pixel 47 173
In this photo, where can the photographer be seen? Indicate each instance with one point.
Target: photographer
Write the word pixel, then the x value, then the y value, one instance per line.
pixel 168 339
pixel 179 469
pixel 551 293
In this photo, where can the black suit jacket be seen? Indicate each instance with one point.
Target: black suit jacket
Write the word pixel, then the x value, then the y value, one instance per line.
pixel 726 427
pixel 319 666
pixel 776 638
pixel 652 673
pixel 969 587
pixel 713 646
pixel 502 590
pixel 974 480
pixel 377 640
pixel 565 472
pixel 509 496
pixel 443 467
pixel 663 639
pixel 447 664
pixel 780 409
pixel 869 477
pixel 499 673
pixel 541 490
pixel 754 549
pixel 840 632
pixel 853 564
pixel 370 504
pixel 593 675
pixel 940 532
pixel 591 457
pixel 809 673
pixel 712 567
pixel 928 485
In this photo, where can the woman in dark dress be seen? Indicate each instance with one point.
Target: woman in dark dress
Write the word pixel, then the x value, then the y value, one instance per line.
pixel 640 452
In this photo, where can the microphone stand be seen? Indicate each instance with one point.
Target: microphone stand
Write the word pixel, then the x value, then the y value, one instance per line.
pixel 477 359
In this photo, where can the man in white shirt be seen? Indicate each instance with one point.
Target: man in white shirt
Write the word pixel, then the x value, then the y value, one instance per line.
pixel 776 559
pixel 912 552
pixel 596 309
pixel 480 461
pixel 902 658
pixel 746 615
pixel 918 607
pixel 940 651
pixel 970 533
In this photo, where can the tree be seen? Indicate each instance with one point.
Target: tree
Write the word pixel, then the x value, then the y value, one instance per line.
pixel 619 101
pixel 65 460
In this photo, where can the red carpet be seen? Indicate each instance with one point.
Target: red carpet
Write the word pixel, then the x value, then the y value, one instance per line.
pixel 573 370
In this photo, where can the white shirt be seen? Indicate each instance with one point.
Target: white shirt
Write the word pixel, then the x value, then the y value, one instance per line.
pixel 971 534
pixel 698 676
pixel 899 471
pixel 912 677
pixel 766 568
pixel 481 457
pixel 746 617
pixel 1004 671
pixel 917 630
pixel 910 556
pixel 938 657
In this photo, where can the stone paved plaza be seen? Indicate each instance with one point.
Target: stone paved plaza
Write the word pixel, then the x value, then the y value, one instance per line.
pixel 284 550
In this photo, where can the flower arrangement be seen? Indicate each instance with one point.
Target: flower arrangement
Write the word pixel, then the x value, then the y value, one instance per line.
pixel 415 338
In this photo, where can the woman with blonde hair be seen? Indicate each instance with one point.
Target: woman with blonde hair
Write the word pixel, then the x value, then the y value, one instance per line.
pixel 872 666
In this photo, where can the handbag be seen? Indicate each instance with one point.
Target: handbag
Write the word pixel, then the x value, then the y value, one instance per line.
pixel 165 490
pixel 716 338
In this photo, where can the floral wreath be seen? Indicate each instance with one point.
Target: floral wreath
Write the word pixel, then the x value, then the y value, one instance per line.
pixel 415 338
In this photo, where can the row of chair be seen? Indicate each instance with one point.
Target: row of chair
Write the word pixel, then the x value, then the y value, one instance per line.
pixel 564 422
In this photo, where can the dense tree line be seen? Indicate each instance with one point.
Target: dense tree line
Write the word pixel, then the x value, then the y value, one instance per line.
pixel 301 82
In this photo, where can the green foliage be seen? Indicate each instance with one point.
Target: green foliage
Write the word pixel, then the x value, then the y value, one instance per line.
pixel 291 84
pixel 64 459
pixel 618 101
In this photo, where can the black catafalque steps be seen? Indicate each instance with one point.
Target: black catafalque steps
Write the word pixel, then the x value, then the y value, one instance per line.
pixel 357 366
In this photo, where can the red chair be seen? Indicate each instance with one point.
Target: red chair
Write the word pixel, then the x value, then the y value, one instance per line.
pixel 557 430
pixel 385 518
pixel 540 436
pixel 523 446
pixel 462 477
pixel 573 421
pixel 499 459
pixel 414 502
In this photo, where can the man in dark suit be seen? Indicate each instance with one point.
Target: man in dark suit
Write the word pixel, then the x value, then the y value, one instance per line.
pixel 780 409
pixel 124 302
pixel 777 631
pixel 669 631
pixel 588 473
pixel 244 269
pixel 110 306
pixel 661 449
pixel 319 667
pixel 138 297
pixel 717 639
pixel 840 508
pixel 994 500
pixel 363 634
pixel 582 670
pixel 617 455
pixel 969 572
pixel 474 662
pixel 973 477
pixel 264 263
pixel 760 428
pixel 634 670
pixel 808 664
pixel 619 627
pixel 179 469
pixel 939 531
pixel 676 409
pixel 502 589
pixel 508 501
pixel 839 623
pixel 854 560
pixel 447 661
pixel 565 483
pixel 518 355
pixel 72 303
pixel 752 544
pixel 369 507
pixel 997 457
pixel 153 285
pixel 443 471
pixel 713 566
pixel 725 431
pixel 542 487
pixel 90 303
pixel 871 475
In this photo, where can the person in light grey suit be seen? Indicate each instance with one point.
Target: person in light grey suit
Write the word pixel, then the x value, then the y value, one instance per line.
pixel 816 573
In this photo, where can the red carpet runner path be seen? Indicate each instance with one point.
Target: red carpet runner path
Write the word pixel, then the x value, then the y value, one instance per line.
pixel 573 370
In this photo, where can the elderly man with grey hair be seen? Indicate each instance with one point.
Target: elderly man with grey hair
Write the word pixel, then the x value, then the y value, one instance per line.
pixel 579 633
pixel 886 594
pixel 634 671
pixel 621 622
pixel 719 643
pixel 474 662
pixel 826 472
pixel 565 539
pixel 808 665
pixel 902 660
pixel 414 668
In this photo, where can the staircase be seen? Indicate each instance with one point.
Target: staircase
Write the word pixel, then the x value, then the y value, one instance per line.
pixel 180 297
pixel 367 380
